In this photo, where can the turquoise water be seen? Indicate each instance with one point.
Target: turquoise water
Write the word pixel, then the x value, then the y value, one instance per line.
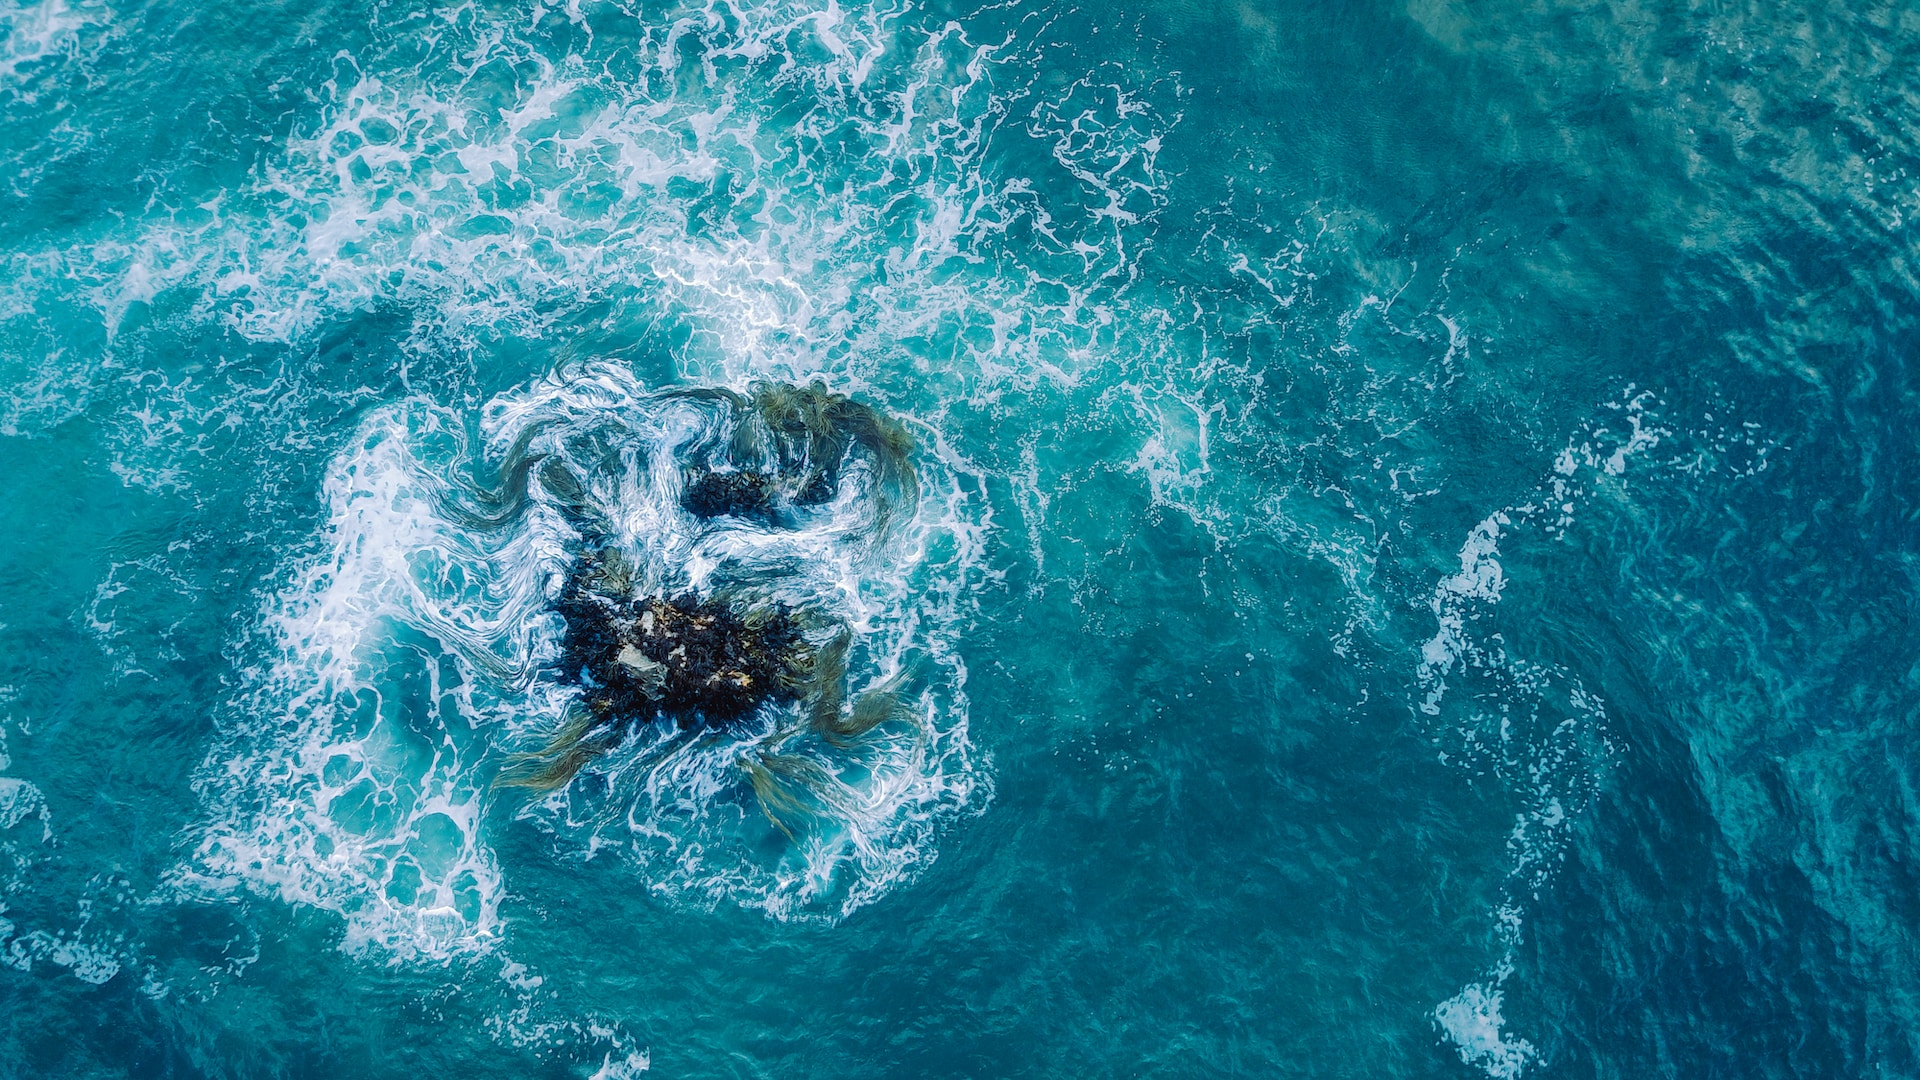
pixel 1414 571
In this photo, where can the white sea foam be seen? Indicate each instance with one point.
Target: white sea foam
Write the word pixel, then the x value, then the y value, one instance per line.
pixel 489 212
pixel 656 178
pixel 89 961
pixel 1472 1020
pixel 26 845
pixel 356 776
pixel 536 1018
pixel 20 800
pixel 346 780
pixel 1534 726
pixel 36 33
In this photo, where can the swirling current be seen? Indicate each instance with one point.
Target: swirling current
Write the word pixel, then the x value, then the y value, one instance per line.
pixel 874 538
pixel 414 643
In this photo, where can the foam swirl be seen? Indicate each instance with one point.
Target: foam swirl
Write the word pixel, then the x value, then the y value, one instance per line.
pixel 415 651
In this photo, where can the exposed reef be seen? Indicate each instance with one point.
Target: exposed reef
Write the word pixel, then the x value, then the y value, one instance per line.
pixel 711 494
pixel 721 657
pixel 698 660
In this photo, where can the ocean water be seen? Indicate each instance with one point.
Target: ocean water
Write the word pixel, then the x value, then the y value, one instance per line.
pixel 1414 574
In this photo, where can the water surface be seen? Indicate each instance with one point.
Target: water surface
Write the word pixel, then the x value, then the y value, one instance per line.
pixel 1413 574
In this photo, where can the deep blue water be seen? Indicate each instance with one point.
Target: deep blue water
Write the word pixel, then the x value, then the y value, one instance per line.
pixel 1414 572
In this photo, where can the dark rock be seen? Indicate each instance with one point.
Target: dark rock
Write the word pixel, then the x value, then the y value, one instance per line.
pixel 711 494
pixel 698 660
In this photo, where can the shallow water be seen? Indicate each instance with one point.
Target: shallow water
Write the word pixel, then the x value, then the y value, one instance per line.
pixel 1413 575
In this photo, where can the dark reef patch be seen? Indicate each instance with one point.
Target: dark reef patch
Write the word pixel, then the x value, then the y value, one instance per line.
pixel 698 660
pixel 790 448
pixel 705 662
pixel 710 661
pixel 711 494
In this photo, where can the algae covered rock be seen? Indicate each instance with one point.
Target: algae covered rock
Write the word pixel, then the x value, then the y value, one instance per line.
pixel 642 644
pixel 698 660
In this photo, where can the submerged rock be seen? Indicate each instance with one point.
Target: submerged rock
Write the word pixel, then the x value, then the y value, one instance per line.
pixel 790 448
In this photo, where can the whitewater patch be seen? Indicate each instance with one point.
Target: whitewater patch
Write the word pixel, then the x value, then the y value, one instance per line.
pixel 1533 726
pixel 27 843
pixel 403 659
pixel 1472 1020
pixel 40 33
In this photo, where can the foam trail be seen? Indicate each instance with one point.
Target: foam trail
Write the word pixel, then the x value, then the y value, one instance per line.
pixel 1535 726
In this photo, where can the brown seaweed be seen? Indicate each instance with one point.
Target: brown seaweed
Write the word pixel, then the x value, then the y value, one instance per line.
pixel 789 448
pixel 710 663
